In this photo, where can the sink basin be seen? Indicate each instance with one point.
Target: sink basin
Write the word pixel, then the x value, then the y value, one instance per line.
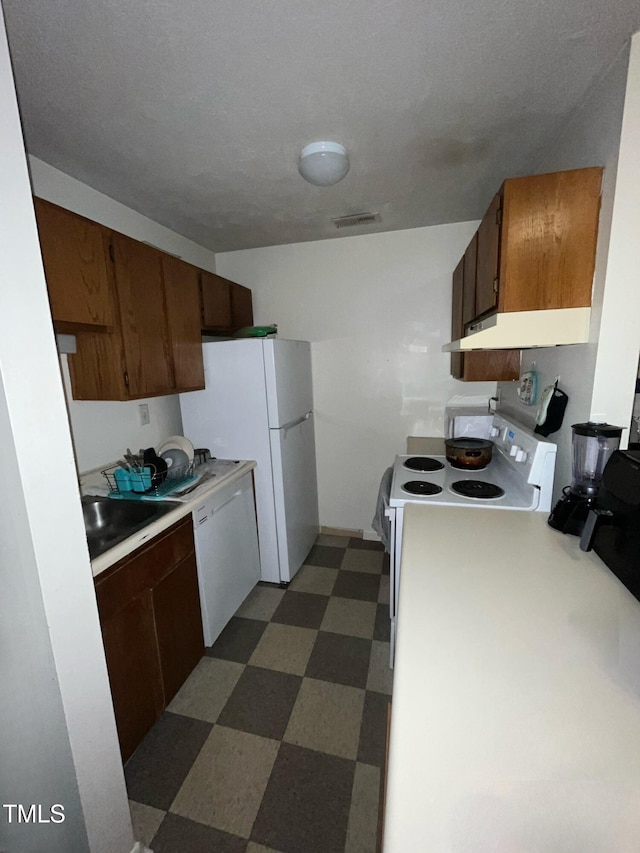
pixel 108 522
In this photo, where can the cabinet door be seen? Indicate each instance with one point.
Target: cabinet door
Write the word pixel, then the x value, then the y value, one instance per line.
pixel 549 235
pixel 98 368
pixel 477 366
pixel 241 306
pixel 134 669
pixel 75 266
pixel 143 317
pixel 215 294
pixel 151 624
pixel 178 621
pixel 457 326
pixel 182 294
pixel 488 259
pixel 469 282
pixel 491 365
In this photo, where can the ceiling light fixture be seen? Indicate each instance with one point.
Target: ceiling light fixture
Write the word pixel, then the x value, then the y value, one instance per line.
pixel 323 163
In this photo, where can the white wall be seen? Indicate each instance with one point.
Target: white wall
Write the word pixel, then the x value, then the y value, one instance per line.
pixel 377 310
pixel 57 731
pixel 103 431
pixel 592 138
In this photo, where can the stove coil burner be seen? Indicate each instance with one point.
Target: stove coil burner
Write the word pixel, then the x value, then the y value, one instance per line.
pixel 423 463
pixel 418 487
pixel 477 489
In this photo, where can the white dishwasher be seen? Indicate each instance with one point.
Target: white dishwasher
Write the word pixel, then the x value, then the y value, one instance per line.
pixel 227 555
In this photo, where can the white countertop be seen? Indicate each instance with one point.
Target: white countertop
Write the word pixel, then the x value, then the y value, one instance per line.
pixel 516 701
pixel 184 506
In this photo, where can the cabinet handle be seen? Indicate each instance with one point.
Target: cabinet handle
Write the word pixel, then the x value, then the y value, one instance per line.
pixel 111 255
pixel 496 281
pixel 126 379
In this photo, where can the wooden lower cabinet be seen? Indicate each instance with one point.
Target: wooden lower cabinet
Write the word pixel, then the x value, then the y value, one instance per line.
pixel 176 607
pixel 134 670
pixel 149 609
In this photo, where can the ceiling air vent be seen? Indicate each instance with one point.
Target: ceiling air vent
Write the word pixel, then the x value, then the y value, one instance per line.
pixel 355 219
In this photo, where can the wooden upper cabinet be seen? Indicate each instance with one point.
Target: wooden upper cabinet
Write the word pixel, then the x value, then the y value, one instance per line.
pixel 457 326
pixel 215 294
pixel 137 270
pixel 241 306
pixel 137 312
pixel 73 253
pixel 477 366
pixel 488 249
pixel 155 347
pixel 224 305
pixel 549 233
pixel 534 250
pixel 182 295
pixel 470 265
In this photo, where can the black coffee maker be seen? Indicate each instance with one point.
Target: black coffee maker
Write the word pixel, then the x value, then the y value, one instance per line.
pixel 593 444
pixel 612 527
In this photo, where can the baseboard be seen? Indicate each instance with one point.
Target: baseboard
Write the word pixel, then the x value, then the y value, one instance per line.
pixel 341 531
pixel 352 534
pixel 139 847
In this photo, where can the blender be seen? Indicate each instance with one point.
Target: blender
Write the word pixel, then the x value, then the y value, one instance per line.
pixel 593 444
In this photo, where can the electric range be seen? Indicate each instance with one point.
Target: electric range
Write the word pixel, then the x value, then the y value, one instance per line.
pixel 518 477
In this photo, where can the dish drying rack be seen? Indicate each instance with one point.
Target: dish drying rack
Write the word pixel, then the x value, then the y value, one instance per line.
pixel 146 482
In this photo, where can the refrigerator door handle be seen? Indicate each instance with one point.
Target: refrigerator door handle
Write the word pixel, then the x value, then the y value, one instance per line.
pixel 295 423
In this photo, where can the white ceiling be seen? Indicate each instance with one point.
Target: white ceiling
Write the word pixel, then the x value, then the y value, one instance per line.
pixel 193 112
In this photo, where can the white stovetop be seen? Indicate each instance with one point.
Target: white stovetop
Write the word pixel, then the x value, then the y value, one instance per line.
pixel 518 494
pixel 516 699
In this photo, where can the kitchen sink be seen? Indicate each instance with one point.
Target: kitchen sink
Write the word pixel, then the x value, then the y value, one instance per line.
pixel 108 522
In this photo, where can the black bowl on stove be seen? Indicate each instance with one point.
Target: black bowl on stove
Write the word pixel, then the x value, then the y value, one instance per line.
pixel 470 454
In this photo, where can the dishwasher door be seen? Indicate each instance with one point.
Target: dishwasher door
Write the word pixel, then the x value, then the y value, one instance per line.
pixel 226 541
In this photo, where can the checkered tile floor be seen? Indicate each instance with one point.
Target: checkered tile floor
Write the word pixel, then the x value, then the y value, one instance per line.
pixel 275 743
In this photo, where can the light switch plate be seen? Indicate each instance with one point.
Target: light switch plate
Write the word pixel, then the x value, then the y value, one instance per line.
pixel 143 414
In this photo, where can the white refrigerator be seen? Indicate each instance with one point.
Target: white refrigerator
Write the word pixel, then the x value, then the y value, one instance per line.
pixel 258 404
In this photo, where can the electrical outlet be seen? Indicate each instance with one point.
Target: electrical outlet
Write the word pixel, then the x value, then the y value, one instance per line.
pixel 143 414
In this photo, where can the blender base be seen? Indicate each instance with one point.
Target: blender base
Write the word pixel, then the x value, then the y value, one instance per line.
pixel 570 513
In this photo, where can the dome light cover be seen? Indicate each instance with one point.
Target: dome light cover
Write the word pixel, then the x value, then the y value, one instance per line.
pixel 323 163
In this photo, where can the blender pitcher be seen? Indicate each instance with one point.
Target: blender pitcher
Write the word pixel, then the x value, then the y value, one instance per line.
pixel 593 444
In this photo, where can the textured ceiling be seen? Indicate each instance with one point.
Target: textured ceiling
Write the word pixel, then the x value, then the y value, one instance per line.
pixel 194 112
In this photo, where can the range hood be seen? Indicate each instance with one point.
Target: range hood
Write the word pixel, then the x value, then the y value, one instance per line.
pixel 526 330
